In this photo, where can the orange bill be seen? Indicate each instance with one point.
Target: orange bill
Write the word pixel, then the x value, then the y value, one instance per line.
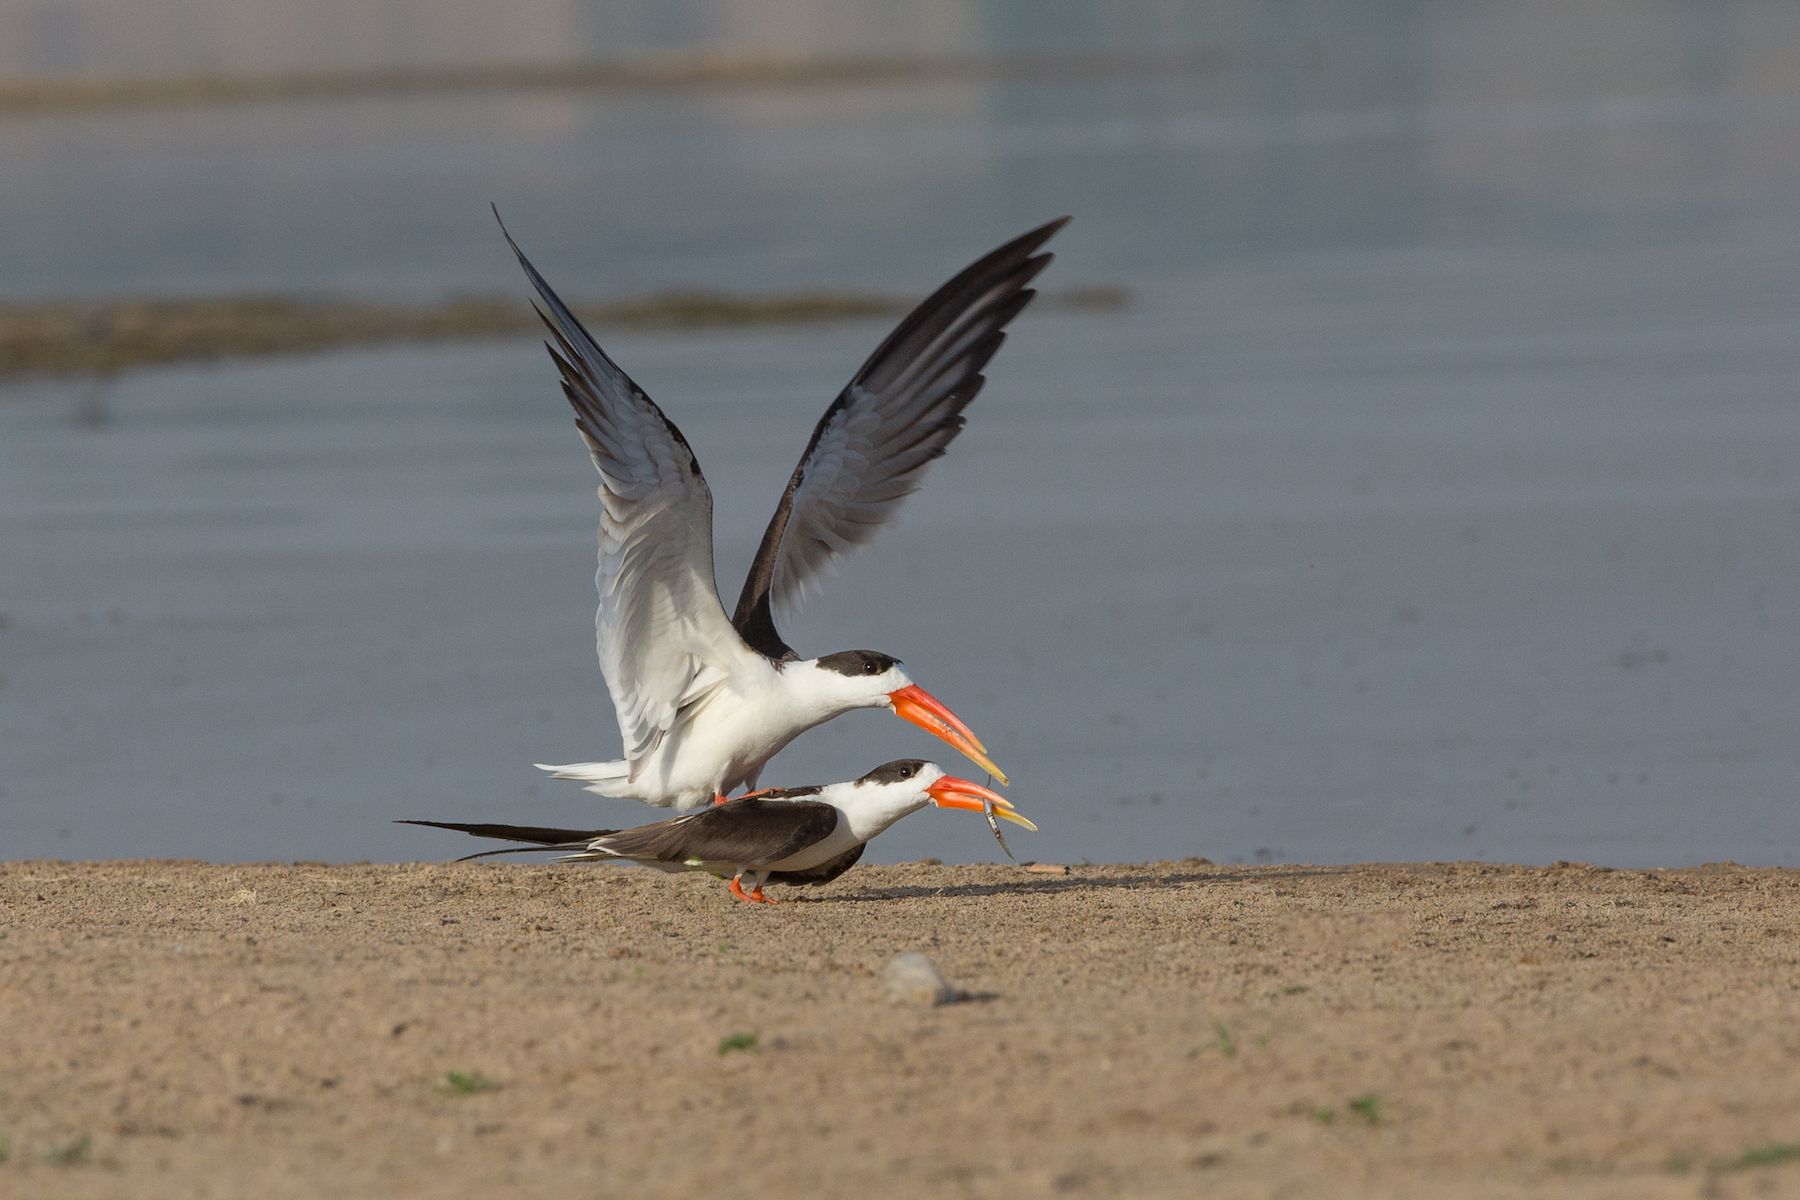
pixel 951 792
pixel 913 703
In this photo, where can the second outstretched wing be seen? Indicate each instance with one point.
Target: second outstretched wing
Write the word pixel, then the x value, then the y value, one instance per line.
pixel 870 449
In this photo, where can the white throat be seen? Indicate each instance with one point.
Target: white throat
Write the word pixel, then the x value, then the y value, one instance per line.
pixel 871 808
pixel 816 694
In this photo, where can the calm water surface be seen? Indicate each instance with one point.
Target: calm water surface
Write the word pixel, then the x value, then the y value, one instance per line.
pixel 1437 495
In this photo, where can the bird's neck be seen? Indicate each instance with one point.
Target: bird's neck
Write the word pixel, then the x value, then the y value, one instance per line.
pixel 818 695
pixel 869 810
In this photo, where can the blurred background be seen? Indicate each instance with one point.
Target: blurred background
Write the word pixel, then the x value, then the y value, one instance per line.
pixel 1402 463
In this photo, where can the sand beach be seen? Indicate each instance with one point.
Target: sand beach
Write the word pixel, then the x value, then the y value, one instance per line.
pixel 1168 1029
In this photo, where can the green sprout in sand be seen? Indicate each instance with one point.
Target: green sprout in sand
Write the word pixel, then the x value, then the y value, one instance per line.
pixel 737 1042
pixel 1770 1155
pixel 467 1083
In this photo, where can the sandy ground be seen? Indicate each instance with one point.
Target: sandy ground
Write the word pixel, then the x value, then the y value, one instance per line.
pixel 1176 1029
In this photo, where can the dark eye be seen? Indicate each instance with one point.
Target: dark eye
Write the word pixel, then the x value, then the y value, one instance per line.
pixel 909 772
pixel 871 668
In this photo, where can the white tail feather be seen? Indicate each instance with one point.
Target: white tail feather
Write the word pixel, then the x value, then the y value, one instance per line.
pixel 602 778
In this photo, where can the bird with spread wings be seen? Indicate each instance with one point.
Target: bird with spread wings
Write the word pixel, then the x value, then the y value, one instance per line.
pixel 703 700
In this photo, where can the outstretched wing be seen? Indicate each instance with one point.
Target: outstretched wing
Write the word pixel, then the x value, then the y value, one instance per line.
pixel 870 449
pixel 746 831
pixel 660 630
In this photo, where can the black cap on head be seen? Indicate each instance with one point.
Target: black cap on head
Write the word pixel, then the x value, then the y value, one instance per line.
pixel 858 662
pixel 898 771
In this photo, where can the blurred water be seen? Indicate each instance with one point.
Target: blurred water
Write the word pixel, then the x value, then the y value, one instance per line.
pixel 71 37
pixel 1435 498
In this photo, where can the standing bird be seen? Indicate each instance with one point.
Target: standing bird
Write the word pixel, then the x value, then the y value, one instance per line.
pixel 704 701
pixel 785 835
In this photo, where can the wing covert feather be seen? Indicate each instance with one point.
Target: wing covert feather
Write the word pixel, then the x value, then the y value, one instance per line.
pixel 745 831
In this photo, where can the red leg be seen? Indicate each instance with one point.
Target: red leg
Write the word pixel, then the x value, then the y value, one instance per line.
pixel 757 895
pixel 737 889
pixel 719 797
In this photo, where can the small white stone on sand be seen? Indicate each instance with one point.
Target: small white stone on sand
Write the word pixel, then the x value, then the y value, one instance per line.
pixel 911 978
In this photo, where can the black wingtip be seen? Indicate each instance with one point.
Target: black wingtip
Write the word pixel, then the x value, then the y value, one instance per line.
pixel 450 825
pixel 507 234
pixel 1023 246
pixel 541 835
